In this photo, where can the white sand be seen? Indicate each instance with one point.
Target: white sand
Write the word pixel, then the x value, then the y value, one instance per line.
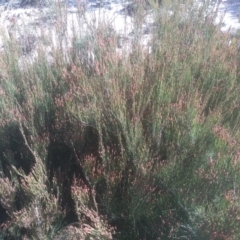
pixel 18 21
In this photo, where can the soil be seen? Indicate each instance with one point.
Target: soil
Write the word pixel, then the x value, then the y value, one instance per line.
pixel 28 21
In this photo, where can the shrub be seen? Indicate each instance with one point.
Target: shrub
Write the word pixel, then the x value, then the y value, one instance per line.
pixel 133 144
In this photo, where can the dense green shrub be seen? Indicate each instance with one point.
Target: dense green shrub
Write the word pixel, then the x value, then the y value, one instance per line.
pixel 128 145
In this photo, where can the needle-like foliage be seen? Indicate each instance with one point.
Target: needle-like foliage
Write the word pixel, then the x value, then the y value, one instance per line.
pixel 141 142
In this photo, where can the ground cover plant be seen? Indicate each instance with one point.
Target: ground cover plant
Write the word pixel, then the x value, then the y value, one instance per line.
pixel 133 144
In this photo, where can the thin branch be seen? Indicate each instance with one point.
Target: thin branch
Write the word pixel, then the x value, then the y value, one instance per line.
pixel 26 142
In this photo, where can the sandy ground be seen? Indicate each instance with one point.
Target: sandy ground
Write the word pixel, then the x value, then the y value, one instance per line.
pixel 11 12
pixel 230 11
pixel 28 24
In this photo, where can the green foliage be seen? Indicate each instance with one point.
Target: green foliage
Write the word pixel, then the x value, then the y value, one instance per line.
pixel 130 145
